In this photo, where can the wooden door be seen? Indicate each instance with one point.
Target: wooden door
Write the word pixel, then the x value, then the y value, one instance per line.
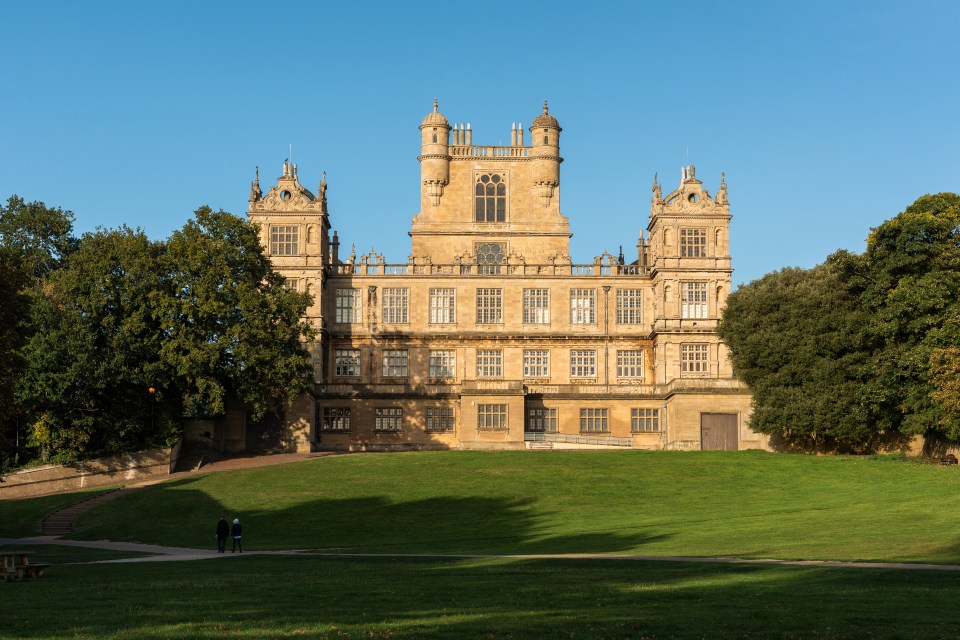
pixel 718 431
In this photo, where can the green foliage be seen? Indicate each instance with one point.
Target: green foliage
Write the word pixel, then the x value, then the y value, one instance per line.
pixel 40 235
pixel 231 328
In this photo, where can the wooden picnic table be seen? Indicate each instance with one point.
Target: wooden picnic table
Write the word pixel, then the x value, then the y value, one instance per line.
pixel 16 564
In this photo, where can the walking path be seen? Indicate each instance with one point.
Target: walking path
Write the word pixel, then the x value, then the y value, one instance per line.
pixel 166 554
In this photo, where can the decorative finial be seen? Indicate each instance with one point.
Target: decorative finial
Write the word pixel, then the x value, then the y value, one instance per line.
pixel 723 179
pixel 435 105
pixel 545 108
pixel 257 174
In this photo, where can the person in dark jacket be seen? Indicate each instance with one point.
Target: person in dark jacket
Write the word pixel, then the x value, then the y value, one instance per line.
pixel 236 532
pixel 223 530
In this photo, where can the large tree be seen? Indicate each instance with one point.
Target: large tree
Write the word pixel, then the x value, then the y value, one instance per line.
pixel 41 236
pixel 793 338
pixel 231 328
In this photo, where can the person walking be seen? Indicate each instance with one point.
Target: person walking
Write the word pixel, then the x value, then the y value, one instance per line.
pixel 223 530
pixel 236 532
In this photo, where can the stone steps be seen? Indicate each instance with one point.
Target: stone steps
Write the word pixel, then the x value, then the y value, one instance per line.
pixel 61 522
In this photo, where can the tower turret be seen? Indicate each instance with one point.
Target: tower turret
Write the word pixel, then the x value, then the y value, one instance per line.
pixel 545 139
pixel 434 155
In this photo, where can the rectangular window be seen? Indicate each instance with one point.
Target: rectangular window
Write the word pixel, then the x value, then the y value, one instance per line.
pixel 643 420
pixel 693 359
pixel 443 364
pixel 284 240
pixel 593 420
pixel 630 364
pixel 629 306
pixel 583 306
pixel 388 419
pixel 443 306
pixel 335 419
pixel 348 306
pixel 439 418
pixel 346 362
pixel 489 363
pixel 491 417
pixel 693 243
pixel 395 363
pixel 536 306
pixel 489 306
pixel 536 363
pixel 291 283
pixel 583 363
pixel 693 299
pixel 395 306
pixel 542 420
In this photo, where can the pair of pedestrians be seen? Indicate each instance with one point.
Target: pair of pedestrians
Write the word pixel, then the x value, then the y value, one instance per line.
pixel 224 530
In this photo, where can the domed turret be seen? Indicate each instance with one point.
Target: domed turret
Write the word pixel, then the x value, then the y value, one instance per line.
pixel 545 119
pixel 545 139
pixel 434 154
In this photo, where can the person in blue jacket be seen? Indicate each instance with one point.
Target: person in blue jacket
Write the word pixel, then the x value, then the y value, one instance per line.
pixel 236 531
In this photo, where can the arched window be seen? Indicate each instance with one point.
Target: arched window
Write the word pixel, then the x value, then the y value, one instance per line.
pixel 491 198
pixel 434 137
pixel 546 139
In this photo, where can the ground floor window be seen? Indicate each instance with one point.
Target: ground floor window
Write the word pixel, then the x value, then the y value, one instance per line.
pixel 642 420
pixel 541 420
pixel 593 420
pixel 335 419
pixel 491 417
pixel 439 418
pixel 388 419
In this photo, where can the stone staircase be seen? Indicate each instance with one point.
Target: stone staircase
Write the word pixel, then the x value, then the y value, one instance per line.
pixel 192 456
pixel 60 522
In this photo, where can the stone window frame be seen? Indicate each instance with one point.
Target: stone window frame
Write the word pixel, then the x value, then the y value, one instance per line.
pixel 489 363
pixel 694 303
pixel 443 305
pixel 347 305
pixel 395 305
pixel 489 261
pixel 629 306
pixel 335 419
pixel 489 205
pixel 644 420
pixel 387 419
pixel 583 363
pixel 489 306
pixel 443 363
pixel 492 417
pixel 346 363
pixel 536 306
pixel 395 363
pixel 630 364
pixel 583 306
pixel 693 242
pixel 284 239
pixel 542 420
pixel 536 363
pixel 594 420
pixel 694 359
pixel 440 419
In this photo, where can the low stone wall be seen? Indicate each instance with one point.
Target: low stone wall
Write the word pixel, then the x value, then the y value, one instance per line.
pixel 101 472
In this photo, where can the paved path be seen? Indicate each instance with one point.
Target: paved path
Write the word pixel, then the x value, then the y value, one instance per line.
pixel 165 554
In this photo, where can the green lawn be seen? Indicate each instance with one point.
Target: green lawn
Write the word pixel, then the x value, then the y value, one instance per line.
pixel 62 554
pixel 747 504
pixel 321 597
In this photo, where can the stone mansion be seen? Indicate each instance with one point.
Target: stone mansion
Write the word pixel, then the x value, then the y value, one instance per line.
pixel 488 336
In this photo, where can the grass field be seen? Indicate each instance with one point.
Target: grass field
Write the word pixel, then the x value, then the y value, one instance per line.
pixel 690 504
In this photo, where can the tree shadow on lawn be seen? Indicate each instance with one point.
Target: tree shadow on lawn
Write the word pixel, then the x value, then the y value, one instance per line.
pixel 171 514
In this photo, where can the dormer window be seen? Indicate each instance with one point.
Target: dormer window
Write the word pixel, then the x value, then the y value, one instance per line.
pixel 491 198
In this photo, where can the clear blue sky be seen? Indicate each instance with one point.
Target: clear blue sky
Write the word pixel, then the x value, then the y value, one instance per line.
pixel 827 117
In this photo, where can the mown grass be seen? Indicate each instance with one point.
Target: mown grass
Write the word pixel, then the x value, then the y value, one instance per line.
pixel 62 554
pixel 322 597
pixel 21 518
pixel 649 503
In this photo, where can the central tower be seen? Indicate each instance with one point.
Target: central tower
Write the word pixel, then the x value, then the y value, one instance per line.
pixel 490 200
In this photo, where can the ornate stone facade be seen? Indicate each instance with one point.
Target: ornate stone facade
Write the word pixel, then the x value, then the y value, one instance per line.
pixel 488 336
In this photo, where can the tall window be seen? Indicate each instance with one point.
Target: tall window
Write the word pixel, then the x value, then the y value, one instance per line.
pixel 284 240
pixel 693 359
pixel 693 299
pixel 593 420
pixel 335 419
pixel 346 362
pixel 583 306
pixel 583 363
pixel 489 306
pixel 536 363
pixel 536 306
pixel 388 419
pixel 394 363
pixel 642 420
pixel 489 257
pixel 395 305
pixel 443 364
pixel 491 198
pixel 629 306
pixel 630 364
pixel 542 420
pixel 348 306
pixel 443 306
pixel 491 417
pixel 489 363
pixel 693 243
pixel 439 418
